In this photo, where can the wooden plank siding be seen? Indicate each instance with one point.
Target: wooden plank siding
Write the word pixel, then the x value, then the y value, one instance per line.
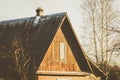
pixel 63 78
pixel 51 61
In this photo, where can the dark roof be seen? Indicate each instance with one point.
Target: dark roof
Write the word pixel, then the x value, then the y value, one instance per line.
pixel 41 34
pixel 96 69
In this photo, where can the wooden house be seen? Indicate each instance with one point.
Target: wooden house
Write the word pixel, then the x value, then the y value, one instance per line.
pixel 54 48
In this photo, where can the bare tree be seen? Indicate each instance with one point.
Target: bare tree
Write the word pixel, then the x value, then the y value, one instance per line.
pixel 100 14
pixel 17 49
pixel 20 58
pixel 91 12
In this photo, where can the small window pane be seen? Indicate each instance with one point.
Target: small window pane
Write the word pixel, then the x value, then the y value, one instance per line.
pixel 63 79
pixel 62 51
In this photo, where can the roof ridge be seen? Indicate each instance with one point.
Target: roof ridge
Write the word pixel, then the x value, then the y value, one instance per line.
pixel 26 18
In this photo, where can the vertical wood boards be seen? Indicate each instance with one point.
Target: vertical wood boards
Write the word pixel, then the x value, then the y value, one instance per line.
pixel 52 62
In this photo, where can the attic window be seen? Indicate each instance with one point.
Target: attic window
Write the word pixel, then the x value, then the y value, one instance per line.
pixel 62 51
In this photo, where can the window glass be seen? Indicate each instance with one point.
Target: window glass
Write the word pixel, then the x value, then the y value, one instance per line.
pixel 62 51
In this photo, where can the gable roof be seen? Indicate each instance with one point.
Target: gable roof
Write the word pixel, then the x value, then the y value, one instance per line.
pixel 41 35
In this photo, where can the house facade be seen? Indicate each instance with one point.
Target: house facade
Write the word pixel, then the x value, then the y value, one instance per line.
pixel 58 59
pixel 59 62
pixel 52 46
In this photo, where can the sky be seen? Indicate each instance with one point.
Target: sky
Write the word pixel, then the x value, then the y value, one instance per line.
pixel 13 9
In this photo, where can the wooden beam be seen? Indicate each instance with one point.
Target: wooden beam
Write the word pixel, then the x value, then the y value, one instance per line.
pixel 61 73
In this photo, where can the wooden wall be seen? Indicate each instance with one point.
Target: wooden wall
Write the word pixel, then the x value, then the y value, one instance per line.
pixel 63 77
pixel 51 61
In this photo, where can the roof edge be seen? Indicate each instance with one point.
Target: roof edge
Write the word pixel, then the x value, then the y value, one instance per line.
pixel 95 65
pixel 78 42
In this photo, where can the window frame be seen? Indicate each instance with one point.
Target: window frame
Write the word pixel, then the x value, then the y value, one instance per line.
pixel 62 52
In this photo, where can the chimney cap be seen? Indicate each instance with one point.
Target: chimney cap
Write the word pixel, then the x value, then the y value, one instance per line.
pixel 39 11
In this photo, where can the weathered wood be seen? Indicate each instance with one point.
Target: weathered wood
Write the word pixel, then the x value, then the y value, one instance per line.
pixel 63 78
pixel 63 73
pixel 51 61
